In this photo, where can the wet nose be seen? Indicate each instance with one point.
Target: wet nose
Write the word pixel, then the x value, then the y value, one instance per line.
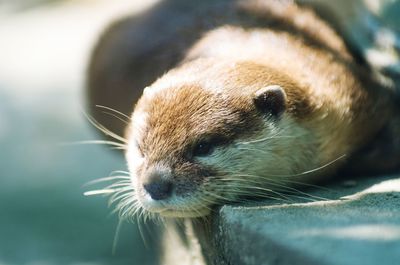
pixel 159 189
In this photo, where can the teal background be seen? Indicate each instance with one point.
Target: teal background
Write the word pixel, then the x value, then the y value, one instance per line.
pixel 44 217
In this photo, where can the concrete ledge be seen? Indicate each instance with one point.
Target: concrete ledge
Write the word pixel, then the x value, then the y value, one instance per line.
pixel 358 224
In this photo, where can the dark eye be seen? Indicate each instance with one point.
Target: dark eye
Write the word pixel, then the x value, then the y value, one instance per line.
pixel 139 147
pixel 203 148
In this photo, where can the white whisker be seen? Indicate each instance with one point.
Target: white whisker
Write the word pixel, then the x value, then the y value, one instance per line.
pixel 115 116
pixel 276 136
pixel 107 179
pixel 99 142
pixel 102 128
pixel 98 192
pixel 318 168
pixel 113 110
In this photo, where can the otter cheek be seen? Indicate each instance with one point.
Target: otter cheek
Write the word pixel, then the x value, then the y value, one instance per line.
pixel 134 159
pixel 190 177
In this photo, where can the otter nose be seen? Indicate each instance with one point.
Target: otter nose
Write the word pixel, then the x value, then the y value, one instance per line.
pixel 157 182
pixel 158 189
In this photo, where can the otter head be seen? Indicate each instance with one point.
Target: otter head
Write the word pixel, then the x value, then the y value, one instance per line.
pixel 207 133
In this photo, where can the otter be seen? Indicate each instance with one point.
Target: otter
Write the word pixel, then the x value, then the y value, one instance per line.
pixel 231 99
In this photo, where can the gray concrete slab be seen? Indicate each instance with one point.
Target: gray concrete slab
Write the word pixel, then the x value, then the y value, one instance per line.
pixel 357 224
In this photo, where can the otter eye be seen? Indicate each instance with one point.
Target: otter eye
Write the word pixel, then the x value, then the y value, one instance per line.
pixel 203 148
pixel 207 145
pixel 139 147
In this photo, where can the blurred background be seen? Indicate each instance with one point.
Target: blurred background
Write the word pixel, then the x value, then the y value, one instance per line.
pixel 44 217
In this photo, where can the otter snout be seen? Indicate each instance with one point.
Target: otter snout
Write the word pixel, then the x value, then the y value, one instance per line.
pixel 157 183
pixel 159 189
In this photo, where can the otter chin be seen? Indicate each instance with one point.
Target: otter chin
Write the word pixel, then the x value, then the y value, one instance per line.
pixel 266 97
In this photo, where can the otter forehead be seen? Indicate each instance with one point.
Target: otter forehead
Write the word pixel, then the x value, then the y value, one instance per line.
pixel 172 119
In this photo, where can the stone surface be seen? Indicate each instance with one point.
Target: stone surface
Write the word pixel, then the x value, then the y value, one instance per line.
pixel 358 222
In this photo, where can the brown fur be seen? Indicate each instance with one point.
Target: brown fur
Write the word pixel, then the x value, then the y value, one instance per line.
pixel 333 107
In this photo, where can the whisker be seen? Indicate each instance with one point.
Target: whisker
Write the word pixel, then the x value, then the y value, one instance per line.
pixel 276 136
pixel 215 195
pixel 120 172
pixel 115 116
pixel 102 128
pixel 100 142
pixel 119 196
pixel 274 183
pixel 105 179
pixel 113 110
pixel 98 192
pixel 319 168
pixel 252 188
pixel 251 149
pixel 241 192
pixel 116 236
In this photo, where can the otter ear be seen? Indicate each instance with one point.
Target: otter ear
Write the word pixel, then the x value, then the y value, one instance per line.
pixel 270 100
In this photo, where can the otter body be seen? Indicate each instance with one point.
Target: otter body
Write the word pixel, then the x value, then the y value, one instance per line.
pixel 240 98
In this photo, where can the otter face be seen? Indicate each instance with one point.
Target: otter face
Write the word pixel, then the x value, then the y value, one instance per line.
pixel 211 135
pixel 190 148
